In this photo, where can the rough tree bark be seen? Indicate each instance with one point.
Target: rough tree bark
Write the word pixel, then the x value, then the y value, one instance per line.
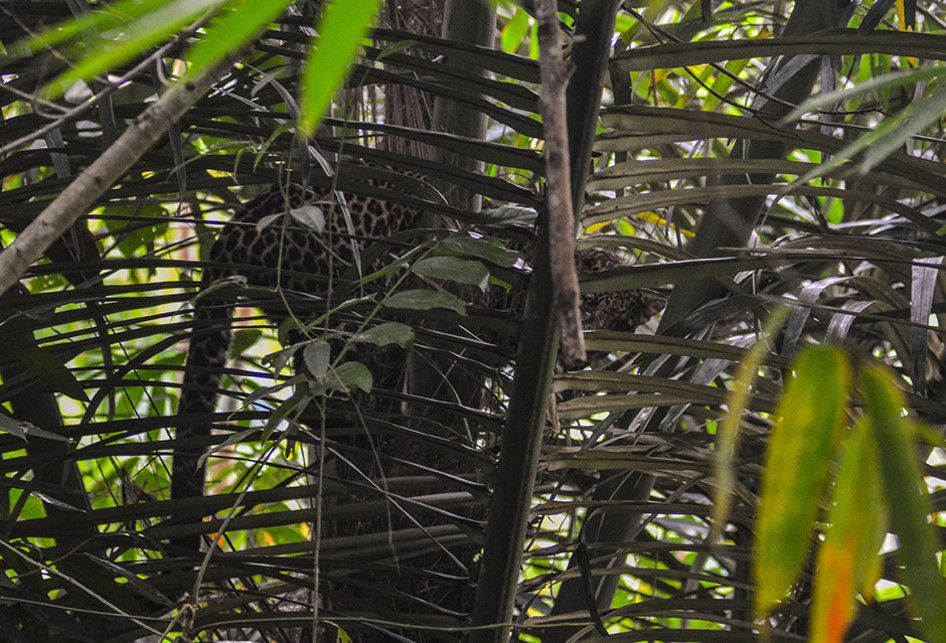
pixel 558 184
pixel 535 363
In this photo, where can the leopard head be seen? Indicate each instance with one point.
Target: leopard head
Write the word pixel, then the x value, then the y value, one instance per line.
pixel 620 311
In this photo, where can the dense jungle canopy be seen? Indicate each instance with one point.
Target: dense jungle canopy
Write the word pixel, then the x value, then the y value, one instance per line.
pixel 284 284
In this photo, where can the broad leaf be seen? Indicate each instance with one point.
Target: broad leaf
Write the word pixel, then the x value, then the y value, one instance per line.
pixel 461 271
pixel 148 30
pixel 352 376
pixel 47 367
pixel 425 299
pixel 242 340
pixel 317 356
pixel 463 245
pixel 311 216
pixel 385 334
pixel 228 32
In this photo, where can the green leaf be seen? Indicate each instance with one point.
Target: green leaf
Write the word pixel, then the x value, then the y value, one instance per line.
pixel 230 30
pixel 351 376
pixel 514 31
pixel 317 356
pixel 115 14
pixel 893 133
pixel 242 340
pixel 387 333
pixel 908 499
pixel 425 299
pixel 461 271
pixel 47 367
pixel 136 237
pixel 728 435
pixel 463 245
pixel 798 459
pixel 829 100
pixel 135 38
pixel 848 561
pixel 344 24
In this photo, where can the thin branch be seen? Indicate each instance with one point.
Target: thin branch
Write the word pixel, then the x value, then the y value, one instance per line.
pixel 95 180
pixel 558 203
pixel 73 113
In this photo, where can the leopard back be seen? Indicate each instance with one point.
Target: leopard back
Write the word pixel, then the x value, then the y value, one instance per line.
pixel 276 240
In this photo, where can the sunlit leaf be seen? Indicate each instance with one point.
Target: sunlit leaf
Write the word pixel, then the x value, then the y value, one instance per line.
pixel 906 14
pixel 728 434
pixel 848 560
pixel 908 498
pixel 344 25
pixel 514 31
pixel 799 455
pixel 148 30
pixel 229 31
pixel 113 15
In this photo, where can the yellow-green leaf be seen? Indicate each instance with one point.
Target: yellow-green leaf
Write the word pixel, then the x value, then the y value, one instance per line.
pixel 906 14
pixel 230 30
pixel 801 448
pixel 848 561
pixel 134 39
pixel 908 499
pixel 514 31
pixel 113 15
pixel 728 435
pixel 344 25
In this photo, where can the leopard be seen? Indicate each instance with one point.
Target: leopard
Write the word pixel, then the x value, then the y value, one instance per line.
pixel 264 245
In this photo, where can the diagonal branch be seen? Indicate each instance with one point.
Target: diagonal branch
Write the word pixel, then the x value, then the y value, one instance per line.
pixel 108 168
pixel 510 504
pixel 558 198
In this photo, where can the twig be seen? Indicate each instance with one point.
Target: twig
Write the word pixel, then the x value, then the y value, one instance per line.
pixel 558 199
pixel 108 168
pixel 73 113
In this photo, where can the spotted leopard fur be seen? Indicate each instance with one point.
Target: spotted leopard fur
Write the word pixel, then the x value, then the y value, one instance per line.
pixel 269 251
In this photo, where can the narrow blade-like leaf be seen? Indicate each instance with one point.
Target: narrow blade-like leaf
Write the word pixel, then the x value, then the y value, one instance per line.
pixel 800 451
pixel 909 501
pixel 342 28
pixel 728 434
pixel 848 561
pixel 231 30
